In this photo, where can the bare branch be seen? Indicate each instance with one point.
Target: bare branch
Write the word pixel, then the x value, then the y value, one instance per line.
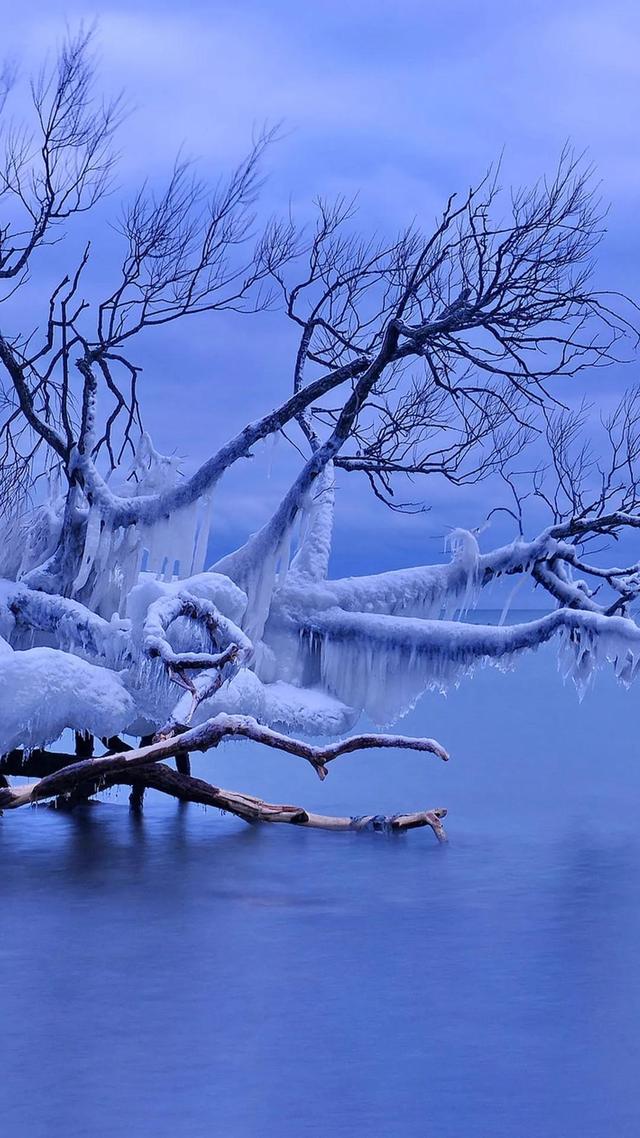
pixel 202 738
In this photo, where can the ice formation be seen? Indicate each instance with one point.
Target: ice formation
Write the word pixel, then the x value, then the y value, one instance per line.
pixel 114 552
pixel 266 633
pixel 43 691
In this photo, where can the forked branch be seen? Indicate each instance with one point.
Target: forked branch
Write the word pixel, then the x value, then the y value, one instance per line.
pixel 141 769
pixel 203 738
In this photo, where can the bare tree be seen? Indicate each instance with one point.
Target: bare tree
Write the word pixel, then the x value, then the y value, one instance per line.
pixel 435 353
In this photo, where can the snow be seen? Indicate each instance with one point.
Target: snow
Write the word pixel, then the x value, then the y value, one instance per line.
pixel 309 711
pixel 315 653
pixel 211 587
pixel 428 591
pixel 25 613
pixel 280 705
pixel 435 591
pixel 43 691
pixel 383 664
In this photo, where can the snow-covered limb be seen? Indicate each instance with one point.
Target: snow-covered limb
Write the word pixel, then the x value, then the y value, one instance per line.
pixel 219 591
pixel 74 626
pixel 435 590
pixel 44 691
pixel 384 663
pixel 227 635
pixel 554 576
pixel 236 648
pixel 425 591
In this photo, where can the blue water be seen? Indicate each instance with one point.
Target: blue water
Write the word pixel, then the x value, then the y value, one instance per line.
pixel 186 976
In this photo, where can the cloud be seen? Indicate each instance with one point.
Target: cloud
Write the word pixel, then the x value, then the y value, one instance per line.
pixel 401 102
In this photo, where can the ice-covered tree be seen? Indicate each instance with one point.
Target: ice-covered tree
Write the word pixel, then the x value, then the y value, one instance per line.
pixel 442 354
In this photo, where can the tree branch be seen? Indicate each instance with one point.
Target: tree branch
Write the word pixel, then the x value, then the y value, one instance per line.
pixel 203 738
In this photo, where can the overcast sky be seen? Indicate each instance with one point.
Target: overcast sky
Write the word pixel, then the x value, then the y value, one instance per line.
pixel 401 102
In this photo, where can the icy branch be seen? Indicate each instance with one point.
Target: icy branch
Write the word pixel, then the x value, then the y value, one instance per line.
pixel 163 612
pixel 75 627
pixel 43 691
pixel 384 663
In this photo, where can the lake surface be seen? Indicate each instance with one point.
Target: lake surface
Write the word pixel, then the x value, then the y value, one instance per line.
pixel 184 975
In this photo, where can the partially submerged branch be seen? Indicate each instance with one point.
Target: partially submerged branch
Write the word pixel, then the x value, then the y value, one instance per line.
pixel 186 788
pixel 203 738
pixel 72 783
pixel 254 810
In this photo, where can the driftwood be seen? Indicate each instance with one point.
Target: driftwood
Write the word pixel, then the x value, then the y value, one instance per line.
pixel 251 809
pixel 69 781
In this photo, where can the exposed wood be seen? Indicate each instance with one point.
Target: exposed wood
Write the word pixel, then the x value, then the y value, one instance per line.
pixel 251 809
pixel 79 781
pixel 34 764
pixel 84 744
pixel 203 738
pixel 183 762
pixel 136 797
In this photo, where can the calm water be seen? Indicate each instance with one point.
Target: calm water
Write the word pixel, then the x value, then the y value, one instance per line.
pixel 187 976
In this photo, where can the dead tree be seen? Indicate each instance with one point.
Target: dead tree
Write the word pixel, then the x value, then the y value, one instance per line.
pixel 440 353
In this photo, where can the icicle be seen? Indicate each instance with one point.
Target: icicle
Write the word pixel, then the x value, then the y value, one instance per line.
pixel 507 604
pixel 91 543
pixel 466 555
pixel 202 538
pixel 382 664
pixel 270 447
pixel 312 557
pixel 282 558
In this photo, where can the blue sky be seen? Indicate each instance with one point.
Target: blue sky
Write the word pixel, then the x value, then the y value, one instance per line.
pixel 400 102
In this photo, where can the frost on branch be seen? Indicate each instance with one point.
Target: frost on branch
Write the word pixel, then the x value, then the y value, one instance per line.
pixel 383 664
pixel 43 691
pixel 182 655
pixel 113 555
pixel 429 354
pixel 182 666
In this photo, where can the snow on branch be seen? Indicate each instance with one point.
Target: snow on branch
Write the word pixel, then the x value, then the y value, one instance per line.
pixel 384 663
pixel 74 627
pixel 44 691
pixel 430 354
pixel 163 612
pixel 236 648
